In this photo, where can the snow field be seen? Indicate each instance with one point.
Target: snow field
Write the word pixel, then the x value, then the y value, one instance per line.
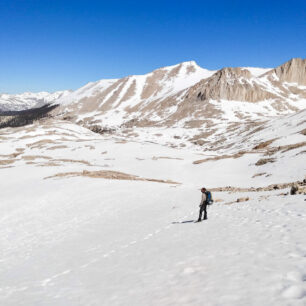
pixel 99 242
pixel 89 241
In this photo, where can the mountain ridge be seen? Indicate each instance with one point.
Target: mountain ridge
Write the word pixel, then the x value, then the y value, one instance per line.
pixel 28 100
pixel 198 105
pixel 285 72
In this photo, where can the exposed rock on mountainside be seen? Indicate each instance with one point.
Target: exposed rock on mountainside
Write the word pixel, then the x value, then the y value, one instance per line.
pixel 293 71
pixel 231 84
pixel 239 84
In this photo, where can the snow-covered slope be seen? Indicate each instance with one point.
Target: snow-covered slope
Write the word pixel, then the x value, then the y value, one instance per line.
pixel 90 219
pixel 28 100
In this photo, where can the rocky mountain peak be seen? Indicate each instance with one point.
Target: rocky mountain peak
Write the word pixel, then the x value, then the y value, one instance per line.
pixel 240 84
pixel 293 71
pixel 228 84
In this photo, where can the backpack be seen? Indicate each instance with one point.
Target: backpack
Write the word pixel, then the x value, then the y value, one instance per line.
pixel 209 199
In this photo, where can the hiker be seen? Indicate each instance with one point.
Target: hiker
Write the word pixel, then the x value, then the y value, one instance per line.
pixel 205 200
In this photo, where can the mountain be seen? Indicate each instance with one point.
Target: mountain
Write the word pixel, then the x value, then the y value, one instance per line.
pixel 164 92
pixel 28 100
pixel 293 71
pixel 119 99
pixel 196 106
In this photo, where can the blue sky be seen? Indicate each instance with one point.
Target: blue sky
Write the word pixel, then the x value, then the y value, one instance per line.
pixel 54 45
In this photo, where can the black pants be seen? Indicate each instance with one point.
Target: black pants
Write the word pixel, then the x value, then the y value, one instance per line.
pixel 203 208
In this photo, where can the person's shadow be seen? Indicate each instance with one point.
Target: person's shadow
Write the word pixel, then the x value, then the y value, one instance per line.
pixel 183 222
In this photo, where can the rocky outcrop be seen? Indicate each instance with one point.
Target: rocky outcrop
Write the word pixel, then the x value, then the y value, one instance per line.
pixel 299 185
pixel 298 188
pixel 230 84
pixel 238 84
pixel 293 71
pixel 243 199
pixel 264 161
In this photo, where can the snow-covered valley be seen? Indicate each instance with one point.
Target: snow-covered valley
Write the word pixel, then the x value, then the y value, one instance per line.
pixel 75 232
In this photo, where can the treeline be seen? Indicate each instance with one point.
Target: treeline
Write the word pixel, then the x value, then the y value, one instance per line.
pixel 24 117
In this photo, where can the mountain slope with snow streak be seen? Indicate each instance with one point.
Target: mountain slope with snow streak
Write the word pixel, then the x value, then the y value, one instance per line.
pixel 113 100
pixel 189 102
pixel 163 93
